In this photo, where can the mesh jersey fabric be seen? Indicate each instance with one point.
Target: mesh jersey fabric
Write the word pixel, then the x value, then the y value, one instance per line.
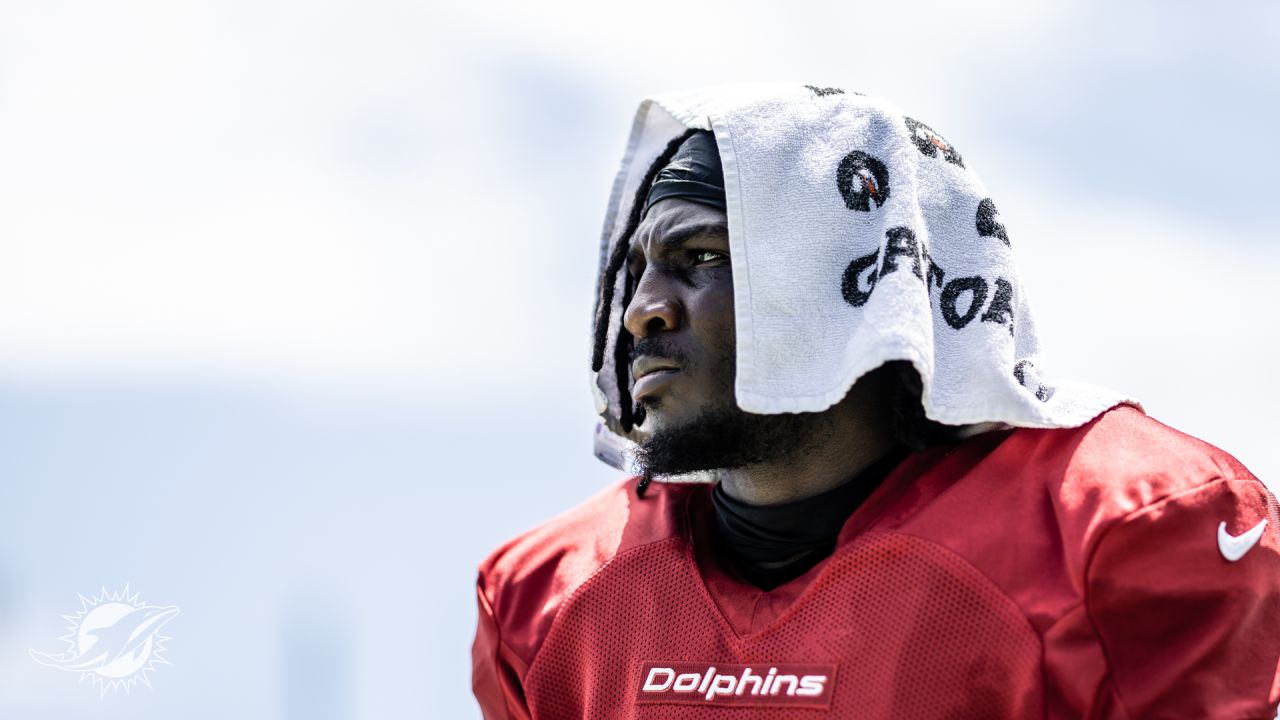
pixel 1056 573
pixel 770 545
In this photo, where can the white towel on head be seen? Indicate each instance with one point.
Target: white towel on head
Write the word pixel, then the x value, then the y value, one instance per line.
pixel 857 235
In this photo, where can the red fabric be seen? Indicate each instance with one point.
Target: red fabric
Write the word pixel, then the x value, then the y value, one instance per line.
pixel 1026 573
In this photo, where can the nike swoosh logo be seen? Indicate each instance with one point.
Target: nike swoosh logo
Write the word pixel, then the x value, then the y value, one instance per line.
pixel 1234 547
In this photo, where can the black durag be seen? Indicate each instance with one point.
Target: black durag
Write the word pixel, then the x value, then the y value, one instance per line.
pixel 694 173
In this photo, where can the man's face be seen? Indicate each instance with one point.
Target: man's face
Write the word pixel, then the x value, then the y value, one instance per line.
pixel 684 356
pixel 681 314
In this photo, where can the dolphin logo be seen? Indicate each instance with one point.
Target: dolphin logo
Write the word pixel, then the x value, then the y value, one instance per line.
pixel 125 637
pixel 114 639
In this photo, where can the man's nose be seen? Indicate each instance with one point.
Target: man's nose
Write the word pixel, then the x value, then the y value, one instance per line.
pixel 651 310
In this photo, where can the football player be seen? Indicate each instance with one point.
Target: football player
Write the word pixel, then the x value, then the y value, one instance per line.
pixel 951 536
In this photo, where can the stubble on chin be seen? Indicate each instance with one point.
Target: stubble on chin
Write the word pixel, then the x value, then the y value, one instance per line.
pixel 726 438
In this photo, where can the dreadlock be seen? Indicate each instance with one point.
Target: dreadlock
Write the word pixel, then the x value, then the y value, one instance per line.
pixel 608 282
pixel 627 416
pixel 622 360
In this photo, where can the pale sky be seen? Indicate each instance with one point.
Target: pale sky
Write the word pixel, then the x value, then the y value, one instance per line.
pixel 388 213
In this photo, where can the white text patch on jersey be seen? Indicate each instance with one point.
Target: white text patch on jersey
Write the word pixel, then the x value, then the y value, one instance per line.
pixel 787 684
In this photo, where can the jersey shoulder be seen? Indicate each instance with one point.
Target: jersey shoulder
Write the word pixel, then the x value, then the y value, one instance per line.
pixel 527 579
pixel 1179 568
pixel 1084 477
pixel 1132 498
pixel 1031 508
pixel 1123 461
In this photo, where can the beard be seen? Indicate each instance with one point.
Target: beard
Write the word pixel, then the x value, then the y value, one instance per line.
pixel 728 437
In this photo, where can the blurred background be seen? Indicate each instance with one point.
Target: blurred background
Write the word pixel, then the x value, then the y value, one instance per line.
pixel 294 296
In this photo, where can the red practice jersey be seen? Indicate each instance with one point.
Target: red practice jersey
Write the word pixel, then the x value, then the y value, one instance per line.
pixel 1121 569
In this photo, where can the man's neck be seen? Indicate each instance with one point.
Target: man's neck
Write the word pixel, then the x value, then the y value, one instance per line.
pixel 856 436
pixel 820 469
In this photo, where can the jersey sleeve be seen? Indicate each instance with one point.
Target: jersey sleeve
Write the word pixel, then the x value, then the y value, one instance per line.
pixel 495 678
pixel 1187 631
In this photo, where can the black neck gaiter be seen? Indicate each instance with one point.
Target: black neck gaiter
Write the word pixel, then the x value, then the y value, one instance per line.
pixel 774 544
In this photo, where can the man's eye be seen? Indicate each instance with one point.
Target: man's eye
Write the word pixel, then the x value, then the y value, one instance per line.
pixel 703 256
